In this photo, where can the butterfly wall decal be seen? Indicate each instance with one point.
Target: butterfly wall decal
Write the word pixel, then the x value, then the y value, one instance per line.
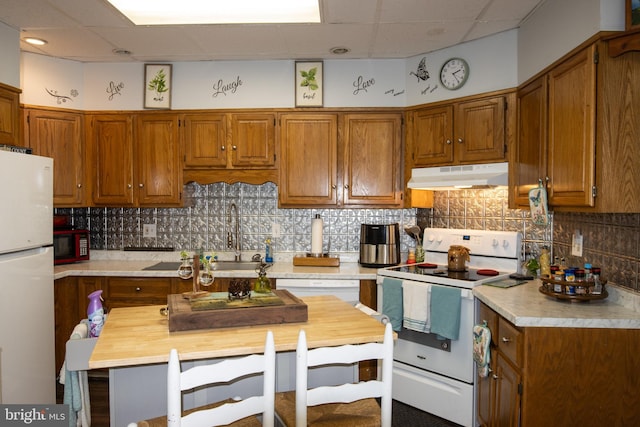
pixel 421 73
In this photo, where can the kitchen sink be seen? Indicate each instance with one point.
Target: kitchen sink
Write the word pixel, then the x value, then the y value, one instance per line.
pixel 219 265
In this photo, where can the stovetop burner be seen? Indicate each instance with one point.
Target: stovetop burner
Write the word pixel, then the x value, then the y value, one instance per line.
pixel 427 269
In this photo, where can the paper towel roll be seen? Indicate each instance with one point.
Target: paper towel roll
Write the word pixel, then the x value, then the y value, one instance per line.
pixel 316 235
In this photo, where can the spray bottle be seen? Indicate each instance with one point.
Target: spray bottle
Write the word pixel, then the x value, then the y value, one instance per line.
pixel 95 313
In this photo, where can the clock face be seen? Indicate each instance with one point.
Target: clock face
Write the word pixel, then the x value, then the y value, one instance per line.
pixel 454 73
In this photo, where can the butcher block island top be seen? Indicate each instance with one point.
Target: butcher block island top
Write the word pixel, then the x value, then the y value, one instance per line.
pixel 140 335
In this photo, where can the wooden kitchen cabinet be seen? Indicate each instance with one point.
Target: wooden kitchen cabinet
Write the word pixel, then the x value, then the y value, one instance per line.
pixel 10 115
pixel 372 162
pixel 558 376
pixel 136 159
pixel 58 134
pixel 473 130
pixel 309 163
pixel 230 147
pixel 498 394
pixel 135 291
pixel 70 307
pixel 110 146
pixel 581 113
pixel 158 166
pixel 345 160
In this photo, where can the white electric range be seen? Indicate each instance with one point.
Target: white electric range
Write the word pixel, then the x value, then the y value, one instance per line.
pixel 438 375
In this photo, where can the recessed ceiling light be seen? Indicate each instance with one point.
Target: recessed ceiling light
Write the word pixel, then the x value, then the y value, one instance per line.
pixel 339 50
pixel 184 12
pixel 35 41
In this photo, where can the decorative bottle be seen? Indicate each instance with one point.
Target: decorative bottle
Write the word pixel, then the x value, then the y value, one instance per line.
pixel 95 313
pixel 263 284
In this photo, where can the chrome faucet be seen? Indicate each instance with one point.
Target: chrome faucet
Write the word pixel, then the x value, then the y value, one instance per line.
pixel 230 236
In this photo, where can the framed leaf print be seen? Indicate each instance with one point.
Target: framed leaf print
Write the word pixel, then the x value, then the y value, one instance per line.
pixel 309 84
pixel 157 86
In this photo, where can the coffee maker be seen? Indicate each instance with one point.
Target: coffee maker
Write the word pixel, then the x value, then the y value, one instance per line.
pixel 379 245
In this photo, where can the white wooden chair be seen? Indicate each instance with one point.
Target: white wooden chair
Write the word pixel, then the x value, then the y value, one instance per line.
pixel 347 404
pixel 235 413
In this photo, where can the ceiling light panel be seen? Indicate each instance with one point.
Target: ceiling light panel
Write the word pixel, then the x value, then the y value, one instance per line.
pixel 185 12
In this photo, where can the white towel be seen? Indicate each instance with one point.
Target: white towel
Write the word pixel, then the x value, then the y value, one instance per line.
pixel 415 305
pixel 76 386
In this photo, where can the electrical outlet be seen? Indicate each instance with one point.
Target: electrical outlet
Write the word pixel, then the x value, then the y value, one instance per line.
pixel 149 230
pixel 576 244
pixel 275 230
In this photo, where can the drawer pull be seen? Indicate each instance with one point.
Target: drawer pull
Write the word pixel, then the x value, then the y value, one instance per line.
pixel 138 289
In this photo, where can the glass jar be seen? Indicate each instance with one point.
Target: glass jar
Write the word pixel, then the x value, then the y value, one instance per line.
pixel 185 271
pixel 262 285
pixel 419 254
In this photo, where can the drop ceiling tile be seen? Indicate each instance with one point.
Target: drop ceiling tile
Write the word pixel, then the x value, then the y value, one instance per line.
pixel 400 11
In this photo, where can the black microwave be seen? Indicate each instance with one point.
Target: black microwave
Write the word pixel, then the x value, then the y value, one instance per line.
pixel 70 246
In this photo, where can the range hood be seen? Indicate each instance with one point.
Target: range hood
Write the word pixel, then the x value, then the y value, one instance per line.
pixel 460 177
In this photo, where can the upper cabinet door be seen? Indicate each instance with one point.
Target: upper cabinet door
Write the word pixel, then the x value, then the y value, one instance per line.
pixel 572 108
pixel 253 140
pixel 373 159
pixel 432 137
pixel 158 163
pixel 480 130
pixel 309 165
pixel 9 115
pixel 529 161
pixel 58 135
pixel 110 146
pixel 205 140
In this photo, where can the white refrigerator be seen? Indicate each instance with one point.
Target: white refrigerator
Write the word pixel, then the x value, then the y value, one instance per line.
pixel 27 342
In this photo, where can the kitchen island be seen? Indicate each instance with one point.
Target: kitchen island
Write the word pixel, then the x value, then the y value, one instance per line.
pixel 558 362
pixel 136 341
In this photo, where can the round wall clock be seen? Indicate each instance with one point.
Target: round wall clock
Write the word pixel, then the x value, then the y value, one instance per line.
pixel 454 73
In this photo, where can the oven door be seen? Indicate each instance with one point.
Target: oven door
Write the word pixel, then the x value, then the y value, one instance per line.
pixel 452 358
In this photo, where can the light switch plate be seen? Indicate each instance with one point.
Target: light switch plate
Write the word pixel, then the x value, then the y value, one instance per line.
pixel 275 230
pixel 149 230
pixel 576 244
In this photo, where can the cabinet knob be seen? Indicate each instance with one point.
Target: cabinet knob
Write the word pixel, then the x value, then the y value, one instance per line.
pixel 506 339
pixel 333 186
pixel 233 147
pixel 140 185
pixel 223 148
pixel 448 142
pixel 460 140
pixel 346 186
pixel 138 289
pixel 129 186
pixel 495 377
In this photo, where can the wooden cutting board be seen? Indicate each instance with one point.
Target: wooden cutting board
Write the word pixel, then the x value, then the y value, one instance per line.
pixel 183 317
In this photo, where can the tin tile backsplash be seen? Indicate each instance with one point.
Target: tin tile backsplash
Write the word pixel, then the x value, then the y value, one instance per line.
pixel 611 241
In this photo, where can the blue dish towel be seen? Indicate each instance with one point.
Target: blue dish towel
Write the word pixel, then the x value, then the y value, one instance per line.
pixel 445 311
pixel 392 301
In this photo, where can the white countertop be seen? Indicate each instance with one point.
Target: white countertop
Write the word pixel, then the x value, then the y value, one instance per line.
pixel 526 306
pixel 131 264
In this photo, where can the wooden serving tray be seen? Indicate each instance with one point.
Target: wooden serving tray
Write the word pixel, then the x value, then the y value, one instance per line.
pixel 322 261
pixel 183 318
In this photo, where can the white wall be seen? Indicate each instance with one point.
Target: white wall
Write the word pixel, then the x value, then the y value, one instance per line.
pixel 499 61
pixel 492 62
pixel 559 26
pixel 269 84
pixel 10 51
